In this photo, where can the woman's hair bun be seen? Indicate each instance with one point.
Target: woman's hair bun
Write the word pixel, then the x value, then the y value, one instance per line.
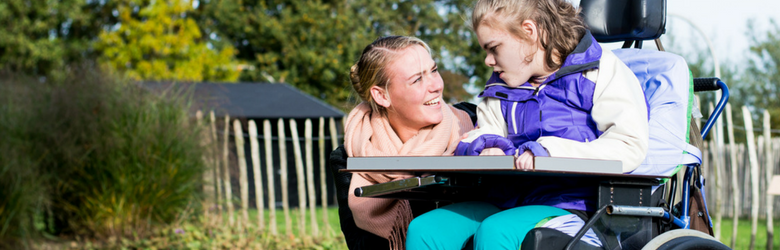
pixel 354 77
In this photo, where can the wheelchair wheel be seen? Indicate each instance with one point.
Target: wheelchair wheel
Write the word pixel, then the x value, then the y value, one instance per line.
pixel 684 239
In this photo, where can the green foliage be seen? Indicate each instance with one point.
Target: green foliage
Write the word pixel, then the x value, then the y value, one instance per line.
pixel 312 44
pixel 309 44
pixel 157 40
pixel 40 37
pixel 106 157
pixel 744 228
pixel 756 85
pixel 20 185
pixel 761 88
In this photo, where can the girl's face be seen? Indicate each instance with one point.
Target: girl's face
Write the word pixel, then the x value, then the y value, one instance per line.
pixel 515 60
pixel 414 94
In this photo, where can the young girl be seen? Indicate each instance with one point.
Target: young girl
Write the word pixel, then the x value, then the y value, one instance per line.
pixel 553 92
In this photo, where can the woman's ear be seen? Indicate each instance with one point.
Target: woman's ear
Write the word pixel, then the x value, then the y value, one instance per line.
pixel 380 96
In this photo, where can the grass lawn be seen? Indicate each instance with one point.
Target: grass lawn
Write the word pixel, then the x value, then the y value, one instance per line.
pixel 743 234
pixel 334 234
pixel 333 220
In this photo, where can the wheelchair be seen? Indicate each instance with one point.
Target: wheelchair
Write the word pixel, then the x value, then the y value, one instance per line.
pixel 637 210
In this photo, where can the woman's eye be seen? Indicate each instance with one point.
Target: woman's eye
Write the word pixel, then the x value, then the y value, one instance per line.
pixel 417 80
pixel 493 49
pixel 435 70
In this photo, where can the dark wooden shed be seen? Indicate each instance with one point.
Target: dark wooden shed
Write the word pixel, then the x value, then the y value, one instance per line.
pixel 259 102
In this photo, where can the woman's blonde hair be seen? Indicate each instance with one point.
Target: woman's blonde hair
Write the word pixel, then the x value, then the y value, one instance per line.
pixel 371 68
pixel 559 23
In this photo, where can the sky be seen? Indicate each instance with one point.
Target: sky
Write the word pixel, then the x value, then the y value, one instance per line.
pixel 723 21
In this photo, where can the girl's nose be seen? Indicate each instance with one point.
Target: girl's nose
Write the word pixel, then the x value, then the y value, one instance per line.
pixel 490 61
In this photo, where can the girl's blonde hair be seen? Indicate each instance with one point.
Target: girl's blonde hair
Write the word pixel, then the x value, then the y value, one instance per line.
pixel 371 69
pixel 559 23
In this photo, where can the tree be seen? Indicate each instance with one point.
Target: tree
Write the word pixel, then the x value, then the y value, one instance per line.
pixel 312 44
pixel 158 40
pixel 761 88
pixel 40 37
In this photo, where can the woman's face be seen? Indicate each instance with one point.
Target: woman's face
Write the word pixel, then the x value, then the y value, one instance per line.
pixel 415 90
pixel 509 56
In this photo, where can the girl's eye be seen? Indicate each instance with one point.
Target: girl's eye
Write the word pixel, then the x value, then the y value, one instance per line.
pixel 417 80
pixel 493 49
pixel 435 70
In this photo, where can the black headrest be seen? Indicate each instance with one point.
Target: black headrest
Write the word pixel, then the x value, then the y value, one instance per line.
pixel 624 20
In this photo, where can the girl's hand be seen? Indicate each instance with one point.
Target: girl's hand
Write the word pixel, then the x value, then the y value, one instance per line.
pixel 525 160
pixel 492 151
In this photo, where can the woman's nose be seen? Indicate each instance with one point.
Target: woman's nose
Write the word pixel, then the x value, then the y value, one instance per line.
pixel 436 83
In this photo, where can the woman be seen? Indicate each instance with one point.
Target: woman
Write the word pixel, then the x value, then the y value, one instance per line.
pixel 402 113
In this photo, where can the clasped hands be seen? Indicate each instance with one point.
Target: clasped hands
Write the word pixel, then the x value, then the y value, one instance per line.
pixel 523 161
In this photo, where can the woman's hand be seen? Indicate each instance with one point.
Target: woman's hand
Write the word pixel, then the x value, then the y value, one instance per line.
pixel 492 151
pixel 525 160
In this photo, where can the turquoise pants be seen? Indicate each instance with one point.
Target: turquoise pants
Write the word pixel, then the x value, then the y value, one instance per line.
pixel 450 227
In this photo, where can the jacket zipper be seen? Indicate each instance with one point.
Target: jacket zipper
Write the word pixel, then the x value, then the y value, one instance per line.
pixel 536 93
pixel 514 116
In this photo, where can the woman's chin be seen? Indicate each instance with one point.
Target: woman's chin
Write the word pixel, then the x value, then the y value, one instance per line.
pixel 434 118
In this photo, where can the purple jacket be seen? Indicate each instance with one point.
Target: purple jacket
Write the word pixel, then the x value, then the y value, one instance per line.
pixel 560 107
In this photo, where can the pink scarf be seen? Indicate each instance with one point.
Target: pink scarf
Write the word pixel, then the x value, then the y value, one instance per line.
pixel 368 134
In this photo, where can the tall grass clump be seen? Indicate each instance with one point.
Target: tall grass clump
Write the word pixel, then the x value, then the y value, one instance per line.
pixel 96 156
pixel 22 189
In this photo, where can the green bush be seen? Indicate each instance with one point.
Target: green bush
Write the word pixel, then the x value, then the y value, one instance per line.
pixel 21 185
pixel 95 156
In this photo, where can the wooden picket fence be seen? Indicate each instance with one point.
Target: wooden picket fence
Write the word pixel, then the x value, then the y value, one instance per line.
pixel 219 187
pixel 738 175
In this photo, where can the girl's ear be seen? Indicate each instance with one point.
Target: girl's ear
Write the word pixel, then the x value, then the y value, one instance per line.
pixel 380 96
pixel 531 29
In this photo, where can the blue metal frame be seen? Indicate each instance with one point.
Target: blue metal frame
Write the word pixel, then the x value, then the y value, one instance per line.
pixel 684 220
pixel 718 109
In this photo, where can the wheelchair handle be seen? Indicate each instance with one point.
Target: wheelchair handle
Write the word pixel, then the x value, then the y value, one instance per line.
pixel 705 84
pixel 710 84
